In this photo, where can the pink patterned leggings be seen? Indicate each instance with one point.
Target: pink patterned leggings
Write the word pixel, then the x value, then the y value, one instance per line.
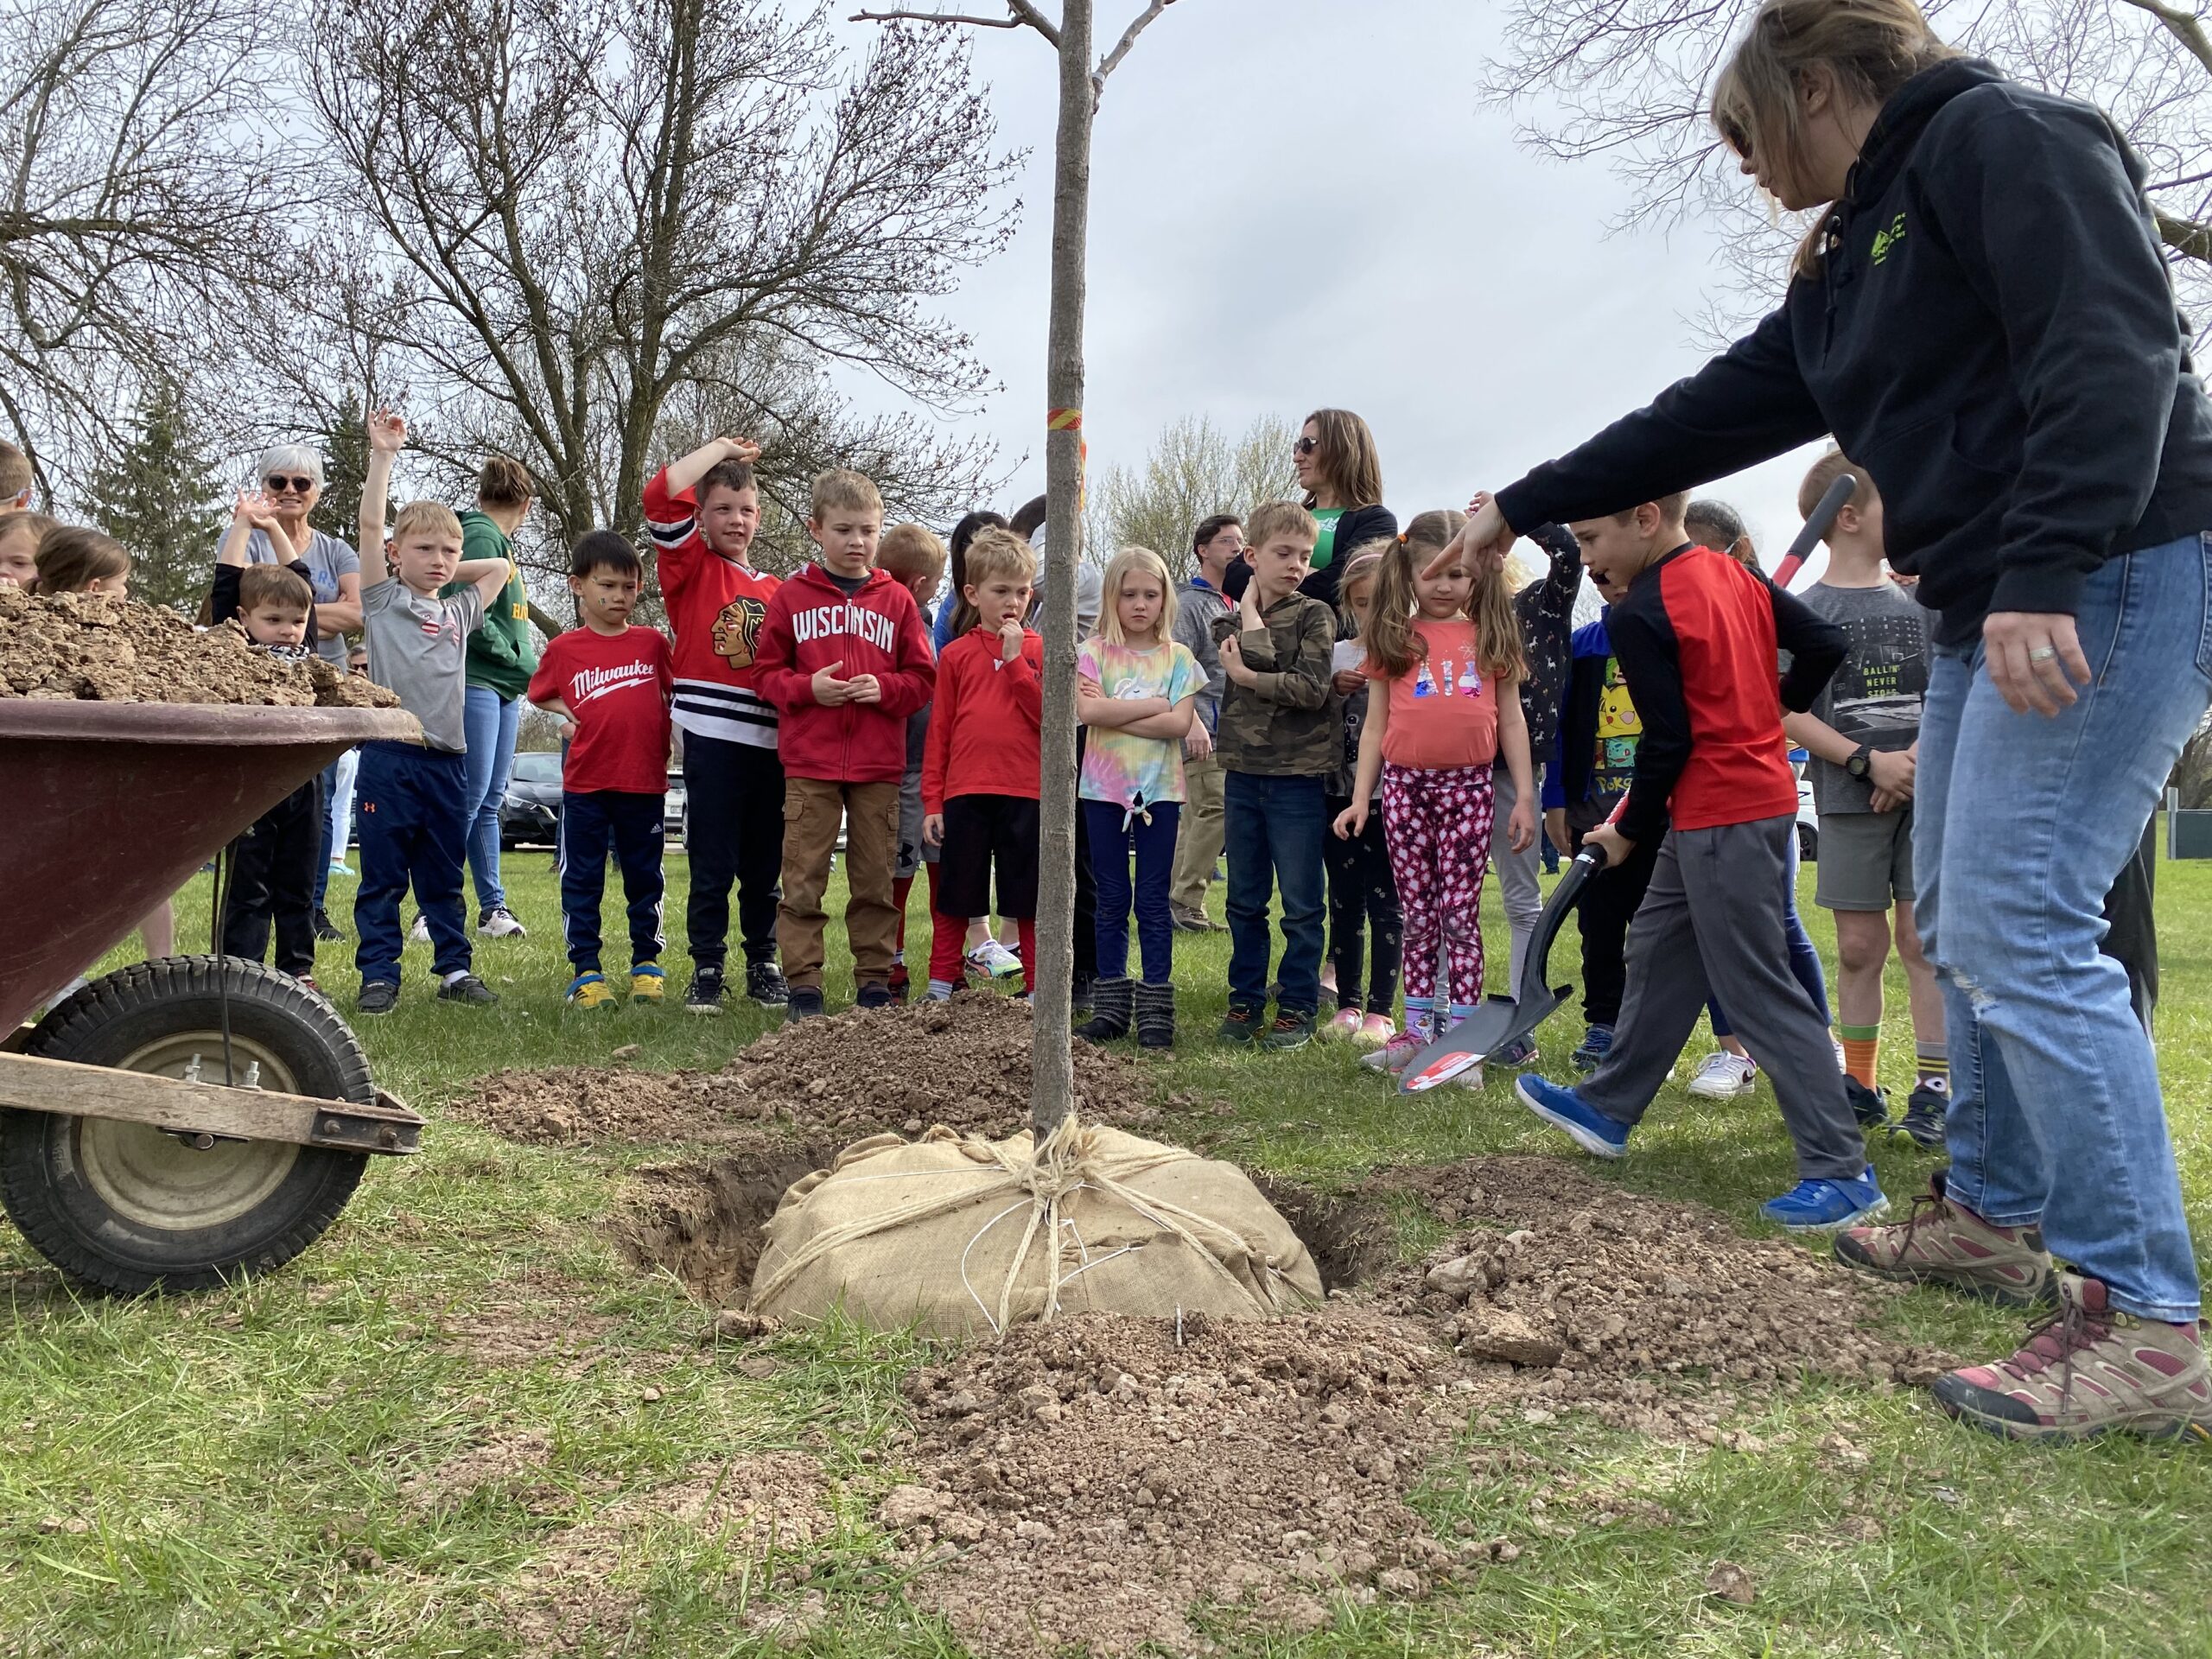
pixel 1437 824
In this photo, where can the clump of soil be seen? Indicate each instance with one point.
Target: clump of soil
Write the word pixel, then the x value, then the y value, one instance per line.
pixel 1096 1478
pixel 963 1064
pixel 1578 1294
pixel 63 647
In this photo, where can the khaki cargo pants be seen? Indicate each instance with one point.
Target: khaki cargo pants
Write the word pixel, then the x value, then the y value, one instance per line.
pixel 812 807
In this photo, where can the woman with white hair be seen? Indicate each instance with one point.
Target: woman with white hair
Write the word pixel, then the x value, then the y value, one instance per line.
pixel 291 474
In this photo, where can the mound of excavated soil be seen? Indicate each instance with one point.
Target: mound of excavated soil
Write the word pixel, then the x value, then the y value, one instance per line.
pixel 1578 1293
pixel 1085 1484
pixel 69 647
pixel 963 1064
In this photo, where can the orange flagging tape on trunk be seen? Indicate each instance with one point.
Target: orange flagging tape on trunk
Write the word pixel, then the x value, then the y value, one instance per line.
pixel 1071 420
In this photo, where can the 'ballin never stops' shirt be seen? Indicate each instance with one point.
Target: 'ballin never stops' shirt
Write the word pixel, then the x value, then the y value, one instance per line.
pixel 616 688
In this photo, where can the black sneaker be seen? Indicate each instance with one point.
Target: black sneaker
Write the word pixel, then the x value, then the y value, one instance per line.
pixel 378 997
pixel 705 994
pixel 1289 1031
pixel 470 990
pixel 1242 1025
pixel 805 1003
pixel 1082 997
pixel 764 983
pixel 1922 1122
pixel 325 928
pixel 1869 1106
pixel 874 995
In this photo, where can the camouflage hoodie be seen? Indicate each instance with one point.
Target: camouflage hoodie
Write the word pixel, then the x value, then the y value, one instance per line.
pixel 1286 725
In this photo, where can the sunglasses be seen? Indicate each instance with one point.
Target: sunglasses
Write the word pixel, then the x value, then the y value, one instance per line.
pixel 1305 445
pixel 276 483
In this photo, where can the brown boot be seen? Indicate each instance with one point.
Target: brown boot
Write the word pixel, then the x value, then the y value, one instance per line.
pixel 1942 1243
pixel 2090 1370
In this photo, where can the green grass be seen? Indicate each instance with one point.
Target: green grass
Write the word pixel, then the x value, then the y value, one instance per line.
pixel 201 1475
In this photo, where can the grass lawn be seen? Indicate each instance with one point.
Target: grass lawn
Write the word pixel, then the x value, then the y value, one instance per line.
pixel 239 1473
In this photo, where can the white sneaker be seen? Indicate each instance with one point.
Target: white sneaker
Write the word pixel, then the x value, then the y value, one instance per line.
pixel 1724 1076
pixel 501 924
pixel 420 934
pixel 995 959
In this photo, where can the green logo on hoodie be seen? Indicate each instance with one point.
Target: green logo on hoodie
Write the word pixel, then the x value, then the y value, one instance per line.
pixel 1885 239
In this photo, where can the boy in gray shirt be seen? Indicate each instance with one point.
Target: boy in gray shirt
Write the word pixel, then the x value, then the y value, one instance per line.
pixel 414 801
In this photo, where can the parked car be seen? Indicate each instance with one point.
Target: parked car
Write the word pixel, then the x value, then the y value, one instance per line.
pixel 675 825
pixel 531 811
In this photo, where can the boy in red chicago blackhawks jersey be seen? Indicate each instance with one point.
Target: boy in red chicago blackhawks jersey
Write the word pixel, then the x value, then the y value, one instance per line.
pixel 845 658
pixel 702 512
pixel 610 684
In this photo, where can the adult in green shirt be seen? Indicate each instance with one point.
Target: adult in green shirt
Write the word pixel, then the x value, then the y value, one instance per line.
pixel 1341 472
pixel 501 659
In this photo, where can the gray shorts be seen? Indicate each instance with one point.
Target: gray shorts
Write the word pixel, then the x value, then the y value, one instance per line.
pixel 1866 862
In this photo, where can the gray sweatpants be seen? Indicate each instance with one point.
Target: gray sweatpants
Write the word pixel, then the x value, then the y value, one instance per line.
pixel 1518 873
pixel 1711 924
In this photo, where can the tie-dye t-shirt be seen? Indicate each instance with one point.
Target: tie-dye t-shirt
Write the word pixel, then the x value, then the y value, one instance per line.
pixel 1443 712
pixel 1129 770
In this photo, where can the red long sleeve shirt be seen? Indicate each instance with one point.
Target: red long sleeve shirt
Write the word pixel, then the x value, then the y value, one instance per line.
pixel 812 624
pixel 984 725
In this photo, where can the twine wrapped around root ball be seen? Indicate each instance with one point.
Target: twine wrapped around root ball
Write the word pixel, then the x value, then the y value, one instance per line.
pixel 960 1236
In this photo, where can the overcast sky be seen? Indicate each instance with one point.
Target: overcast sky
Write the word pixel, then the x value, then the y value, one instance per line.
pixel 1301 202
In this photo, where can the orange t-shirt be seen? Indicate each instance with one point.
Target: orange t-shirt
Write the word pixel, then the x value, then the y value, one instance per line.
pixel 1443 714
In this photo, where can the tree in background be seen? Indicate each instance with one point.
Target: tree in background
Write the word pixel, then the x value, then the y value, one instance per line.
pixel 160 495
pixel 596 223
pixel 1626 80
pixel 1194 470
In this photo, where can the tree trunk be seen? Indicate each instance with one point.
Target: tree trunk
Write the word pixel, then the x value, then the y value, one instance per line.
pixel 1053 1090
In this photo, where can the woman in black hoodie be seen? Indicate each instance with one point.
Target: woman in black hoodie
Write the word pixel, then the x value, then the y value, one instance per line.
pixel 1983 318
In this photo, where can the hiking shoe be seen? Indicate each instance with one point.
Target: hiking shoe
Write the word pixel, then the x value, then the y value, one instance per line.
pixel 1869 1106
pixel 1188 920
pixel 499 923
pixel 874 995
pixel 1343 1025
pixel 1724 1076
pixel 1828 1206
pixel 1242 1025
pixel 378 997
pixel 1597 1043
pixel 1397 1051
pixel 648 984
pixel 764 983
pixel 1561 1108
pixel 590 991
pixel 805 1004
pixel 994 960
pixel 1289 1031
pixel 420 933
pixel 704 993
pixel 2086 1369
pixel 470 990
pixel 1082 996
pixel 1925 1109
pixel 1375 1030
pixel 1520 1053
pixel 1942 1242
pixel 326 930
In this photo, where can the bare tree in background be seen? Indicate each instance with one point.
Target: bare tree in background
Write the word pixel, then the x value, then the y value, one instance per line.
pixel 1194 470
pixel 135 193
pixel 1626 81
pixel 598 224
pixel 1082 82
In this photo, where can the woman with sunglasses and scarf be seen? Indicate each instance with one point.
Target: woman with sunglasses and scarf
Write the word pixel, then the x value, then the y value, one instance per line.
pixel 291 476
pixel 1341 472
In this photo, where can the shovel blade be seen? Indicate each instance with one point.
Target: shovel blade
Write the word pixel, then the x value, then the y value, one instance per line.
pixel 1462 1046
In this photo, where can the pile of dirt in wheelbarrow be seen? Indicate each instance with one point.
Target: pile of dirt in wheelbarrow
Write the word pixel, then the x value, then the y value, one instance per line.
pixel 1653 1315
pixel 963 1064
pixel 91 647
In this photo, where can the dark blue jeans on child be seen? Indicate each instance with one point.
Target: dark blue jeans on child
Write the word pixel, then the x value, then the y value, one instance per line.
pixel 628 825
pixel 1151 837
pixel 1271 834
pixel 414 831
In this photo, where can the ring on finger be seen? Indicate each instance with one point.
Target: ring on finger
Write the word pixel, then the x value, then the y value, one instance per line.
pixel 2042 653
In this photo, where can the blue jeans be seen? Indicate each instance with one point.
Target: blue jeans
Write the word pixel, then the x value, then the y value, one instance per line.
pixel 337 817
pixel 1153 844
pixel 490 722
pixel 2056 1114
pixel 1271 834
pixel 1804 955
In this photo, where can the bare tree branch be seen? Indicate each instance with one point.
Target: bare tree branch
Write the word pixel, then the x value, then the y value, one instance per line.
pixel 1112 61
pixel 2184 26
pixel 1020 15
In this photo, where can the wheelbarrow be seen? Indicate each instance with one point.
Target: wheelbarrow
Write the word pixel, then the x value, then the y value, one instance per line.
pixel 186 1122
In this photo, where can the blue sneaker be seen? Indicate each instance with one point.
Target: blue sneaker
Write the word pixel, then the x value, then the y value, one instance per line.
pixel 1597 1043
pixel 1828 1206
pixel 1561 1108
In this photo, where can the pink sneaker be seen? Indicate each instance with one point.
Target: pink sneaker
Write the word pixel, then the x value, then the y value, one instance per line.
pixel 1344 1025
pixel 1375 1031
pixel 1394 1055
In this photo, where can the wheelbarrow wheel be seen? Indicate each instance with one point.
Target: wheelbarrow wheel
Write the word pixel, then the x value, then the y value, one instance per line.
pixel 131 1208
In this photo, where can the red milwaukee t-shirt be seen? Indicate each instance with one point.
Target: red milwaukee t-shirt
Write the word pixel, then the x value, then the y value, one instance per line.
pixel 616 688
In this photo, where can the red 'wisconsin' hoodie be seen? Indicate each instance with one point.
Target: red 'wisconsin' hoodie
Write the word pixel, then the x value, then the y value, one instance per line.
pixel 812 624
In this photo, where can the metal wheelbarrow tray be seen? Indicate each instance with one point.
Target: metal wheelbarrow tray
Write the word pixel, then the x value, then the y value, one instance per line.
pixel 128 1156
